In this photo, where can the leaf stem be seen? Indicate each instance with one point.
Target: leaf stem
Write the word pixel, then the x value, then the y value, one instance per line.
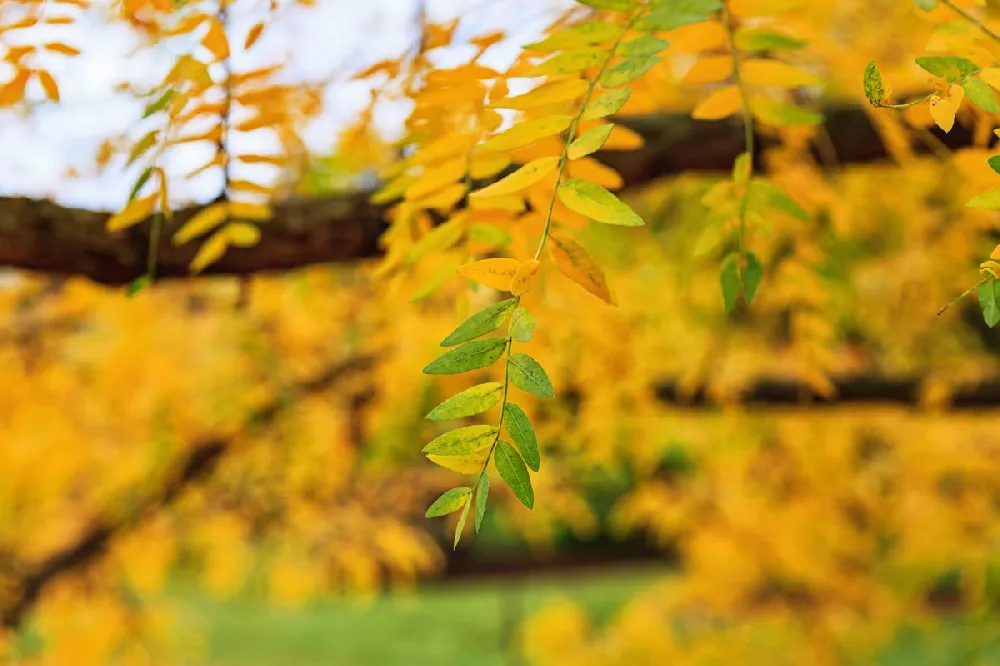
pixel 572 130
pixel 963 295
pixel 748 139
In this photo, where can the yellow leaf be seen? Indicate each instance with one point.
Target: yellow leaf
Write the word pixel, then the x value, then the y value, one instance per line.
pixel 565 90
pixel 761 72
pixel 161 175
pixel 527 132
pixel 48 84
pixel 943 109
pixel 12 92
pixel 253 35
pixel 215 40
pixel 996 253
pixel 718 104
pixel 211 251
pixel 253 158
pixel 991 75
pixel 443 199
pixel 467 464
pixel 484 165
pixel 204 220
pixel 496 273
pixel 525 177
pixel 441 149
pixel 597 203
pixel 242 210
pixel 590 169
pixel 242 234
pixel 437 177
pixel 136 211
pixel 697 37
pixel 526 277
pixel 65 49
pixel 575 262
pixel 710 69
pixel 511 204
pixel 622 138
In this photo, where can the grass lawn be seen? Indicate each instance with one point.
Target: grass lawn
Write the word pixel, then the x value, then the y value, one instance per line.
pixel 441 625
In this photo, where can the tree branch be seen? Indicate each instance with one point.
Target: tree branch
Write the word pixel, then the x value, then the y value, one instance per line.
pixel 198 463
pixel 45 237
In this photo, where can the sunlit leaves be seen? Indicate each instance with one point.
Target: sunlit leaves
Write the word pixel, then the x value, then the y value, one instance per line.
pixel 980 94
pixel 615 5
pixel 718 104
pixel 628 70
pixel 569 62
pixel 944 107
pixel 528 375
pixel 988 200
pixel 643 45
pixel 134 212
pixel 485 321
pixel 513 471
pixel 525 278
pixel 671 15
pixel 449 502
pixel 597 203
pixel 469 356
pixel 462 441
pixel 469 402
pixel 524 133
pixel 949 68
pixel 581 34
pixel 205 220
pixel 757 39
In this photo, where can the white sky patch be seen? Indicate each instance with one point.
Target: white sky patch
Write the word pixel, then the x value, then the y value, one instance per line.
pixel 330 41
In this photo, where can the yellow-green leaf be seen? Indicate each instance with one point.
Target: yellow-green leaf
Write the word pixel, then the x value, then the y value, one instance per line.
pixel 449 502
pixel 549 93
pixel 520 430
pixel 568 62
pixel 590 141
pixel 528 375
pixel 529 174
pixel 597 203
pixel 581 34
pixel 462 441
pixel 988 200
pixel 527 132
pixel 470 356
pixel 469 402
pixel 512 470
pixel 136 211
pixel 606 104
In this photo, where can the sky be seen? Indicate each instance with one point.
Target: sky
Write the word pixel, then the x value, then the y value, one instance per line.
pixel 329 41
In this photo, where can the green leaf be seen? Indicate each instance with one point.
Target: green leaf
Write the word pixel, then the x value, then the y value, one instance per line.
pixel 730 279
pixel 988 200
pixel 628 70
pixel 482 494
pixel 614 5
pixel 606 104
pixel 763 193
pixel 593 201
pixel 752 274
pixel 139 182
pixel 994 163
pixel 485 321
pixel 487 234
pixel 461 525
pixel 874 90
pixel 520 430
pixel 765 40
pixel 141 146
pixel 926 5
pixel 527 375
pixel 159 103
pixel 449 502
pixel 670 14
pixel 137 285
pixel 470 356
pixel 522 326
pixel 590 141
pixel 989 299
pixel 980 94
pixel 462 441
pixel 949 68
pixel 513 471
pixel 642 46
pixel 475 400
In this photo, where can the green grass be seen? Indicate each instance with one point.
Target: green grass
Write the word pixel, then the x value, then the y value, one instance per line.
pixel 441 625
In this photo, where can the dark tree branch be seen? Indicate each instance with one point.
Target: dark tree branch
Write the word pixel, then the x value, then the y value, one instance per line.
pixel 45 237
pixel 195 465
